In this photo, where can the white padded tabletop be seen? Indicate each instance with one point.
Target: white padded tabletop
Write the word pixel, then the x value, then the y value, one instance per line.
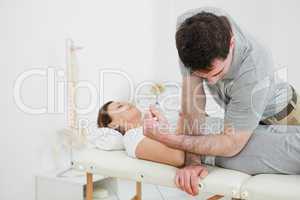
pixel 272 186
pixel 118 164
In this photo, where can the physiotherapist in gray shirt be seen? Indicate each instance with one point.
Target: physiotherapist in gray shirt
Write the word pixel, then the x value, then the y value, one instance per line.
pixel 240 74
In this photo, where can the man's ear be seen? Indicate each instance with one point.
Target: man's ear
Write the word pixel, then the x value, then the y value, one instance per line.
pixel 232 42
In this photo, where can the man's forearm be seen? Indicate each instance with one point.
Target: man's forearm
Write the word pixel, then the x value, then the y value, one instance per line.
pixel 214 145
pixel 190 158
pixel 193 105
pixel 191 128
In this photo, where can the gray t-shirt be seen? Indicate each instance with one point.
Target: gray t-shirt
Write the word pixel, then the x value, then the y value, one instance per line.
pixel 271 149
pixel 250 91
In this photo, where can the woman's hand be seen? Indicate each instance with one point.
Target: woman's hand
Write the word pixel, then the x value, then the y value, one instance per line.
pixel 187 178
pixel 150 126
pixel 155 123
pixel 156 113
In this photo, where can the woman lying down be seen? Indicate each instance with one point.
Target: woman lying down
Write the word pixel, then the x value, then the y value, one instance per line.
pixel 271 149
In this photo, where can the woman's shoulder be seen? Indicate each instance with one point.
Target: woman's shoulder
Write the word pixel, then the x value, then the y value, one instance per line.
pixel 138 130
pixel 131 139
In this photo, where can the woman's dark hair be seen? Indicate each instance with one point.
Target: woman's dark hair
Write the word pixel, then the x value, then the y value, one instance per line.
pixel 103 117
pixel 202 38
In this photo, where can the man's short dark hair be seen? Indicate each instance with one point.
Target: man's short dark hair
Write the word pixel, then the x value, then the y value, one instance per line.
pixel 202 38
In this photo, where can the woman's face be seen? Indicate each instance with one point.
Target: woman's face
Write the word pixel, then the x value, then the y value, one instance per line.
pixel 124 115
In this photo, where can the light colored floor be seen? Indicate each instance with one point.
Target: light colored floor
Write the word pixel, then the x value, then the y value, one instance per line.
pixel 153 192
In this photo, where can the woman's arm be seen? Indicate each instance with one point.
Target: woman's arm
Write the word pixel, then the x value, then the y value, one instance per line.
pixel 149 149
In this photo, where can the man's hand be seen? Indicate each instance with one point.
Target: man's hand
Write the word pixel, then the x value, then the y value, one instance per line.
pixel 155 123
pixel 187 178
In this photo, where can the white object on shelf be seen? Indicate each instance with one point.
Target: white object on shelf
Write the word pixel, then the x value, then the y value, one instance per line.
pixel 106 189
pixel 49 186
pixel 100 193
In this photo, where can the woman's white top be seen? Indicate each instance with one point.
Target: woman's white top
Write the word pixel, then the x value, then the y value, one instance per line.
pixel 131 139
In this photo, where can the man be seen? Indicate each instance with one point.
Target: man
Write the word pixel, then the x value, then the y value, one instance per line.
pixel 240 73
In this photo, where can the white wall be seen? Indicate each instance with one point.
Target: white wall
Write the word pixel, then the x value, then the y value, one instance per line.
pixel 274 22
pixel 115 34
pixel 136 36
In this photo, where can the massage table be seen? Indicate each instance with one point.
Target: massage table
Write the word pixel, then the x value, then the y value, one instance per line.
pixel 219 182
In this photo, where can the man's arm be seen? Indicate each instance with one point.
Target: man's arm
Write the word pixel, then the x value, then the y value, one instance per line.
pixel 188 177
pixel 243 113
pixel 226 145
pixel 192 112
